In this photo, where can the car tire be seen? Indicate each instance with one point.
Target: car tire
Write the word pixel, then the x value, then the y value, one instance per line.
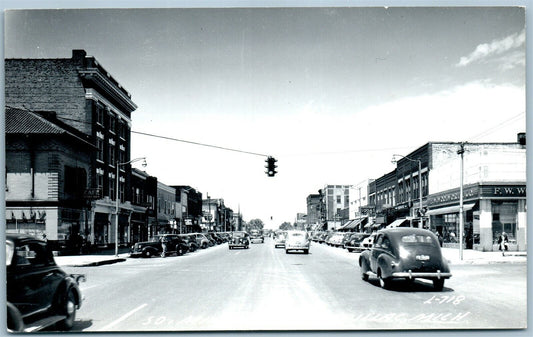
pixel 68 308
pixel 306 251
pixel 383 281
pixel 350 250
pixel 14 319
pixel 438 284
pixel 147 253
pixel 204 245
pixel 364 270
pixel 179 251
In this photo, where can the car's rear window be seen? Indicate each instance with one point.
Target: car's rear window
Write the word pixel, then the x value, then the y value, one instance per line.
pixel 414 238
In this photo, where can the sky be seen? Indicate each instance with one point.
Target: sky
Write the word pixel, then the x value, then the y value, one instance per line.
pixel 332 93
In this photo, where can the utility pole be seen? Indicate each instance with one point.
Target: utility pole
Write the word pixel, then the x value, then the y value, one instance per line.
pixel 461 152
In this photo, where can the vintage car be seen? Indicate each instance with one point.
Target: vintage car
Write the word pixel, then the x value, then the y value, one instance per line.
pixel 175 245
pixel 39 293
pixel 201 240
pixel 355 242
pixel 255 235
pixel 368 241
pixel 190 240
pixel 297 240
pixel 405 253
pixel 239 239
pixel 279 240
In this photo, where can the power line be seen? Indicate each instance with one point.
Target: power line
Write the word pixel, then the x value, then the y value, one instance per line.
pixel 196 143
pixel 495 128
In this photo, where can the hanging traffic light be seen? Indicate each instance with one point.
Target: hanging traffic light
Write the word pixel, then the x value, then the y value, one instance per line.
pixel 271 166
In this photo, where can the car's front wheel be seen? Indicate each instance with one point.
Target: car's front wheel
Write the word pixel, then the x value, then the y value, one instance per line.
pixel 438 284
pixel 68 309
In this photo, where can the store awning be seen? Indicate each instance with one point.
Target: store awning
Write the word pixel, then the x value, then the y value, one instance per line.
pixel 397 223
pixel 345 226
pixel 449 209
pixel 356 222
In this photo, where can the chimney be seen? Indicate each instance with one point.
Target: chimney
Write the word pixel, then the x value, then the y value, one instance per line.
pixel 78 56
pixel 521 138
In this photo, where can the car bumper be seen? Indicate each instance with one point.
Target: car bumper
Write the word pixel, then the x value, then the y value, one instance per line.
pixel 431 275
pixel 296 247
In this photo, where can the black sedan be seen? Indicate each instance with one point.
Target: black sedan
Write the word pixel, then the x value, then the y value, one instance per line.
pixel 39 293
pixel 405 253
pixel 239 239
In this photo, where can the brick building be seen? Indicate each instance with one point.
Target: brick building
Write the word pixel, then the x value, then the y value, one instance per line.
pixel 47 165
pixel 86 97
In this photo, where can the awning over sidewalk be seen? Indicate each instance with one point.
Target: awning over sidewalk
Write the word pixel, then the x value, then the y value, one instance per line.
pixel 449 209
pixel 397 223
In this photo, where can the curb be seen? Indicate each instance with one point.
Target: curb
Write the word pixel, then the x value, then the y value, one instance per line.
pixel 97 263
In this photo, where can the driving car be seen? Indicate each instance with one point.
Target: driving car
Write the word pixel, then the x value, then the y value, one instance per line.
pixel 39 293
pixel 279 240
pixel 354 243
pixel 405 253
pixel 175 245
pixel 239 239
pixel 255 235
pixel 297 240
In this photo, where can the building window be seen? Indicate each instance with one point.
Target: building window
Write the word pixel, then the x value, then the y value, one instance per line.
pixel 112 190
pixel 99 115
pixel 112 123
pixel 100 179
pixel 121 189
pixel 111 154
pixel 338 199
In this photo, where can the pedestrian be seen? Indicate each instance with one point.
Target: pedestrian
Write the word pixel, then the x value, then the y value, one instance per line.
pixel 439 237
pixel 503 243
pixel 163 246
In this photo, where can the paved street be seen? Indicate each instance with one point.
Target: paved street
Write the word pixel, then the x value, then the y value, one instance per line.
pixel 262 288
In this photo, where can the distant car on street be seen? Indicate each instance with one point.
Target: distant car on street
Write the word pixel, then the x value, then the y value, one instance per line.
pixel 256 235
pixel 405 253
pixel 239 239
pixel 355 242
pixel 297 240
pixel 175 245
pixel 39 293
pixel 190 240
pixel 279 240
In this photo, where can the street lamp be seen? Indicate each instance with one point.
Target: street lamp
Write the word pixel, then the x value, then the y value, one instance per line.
pixel 394 161
pixel 117 196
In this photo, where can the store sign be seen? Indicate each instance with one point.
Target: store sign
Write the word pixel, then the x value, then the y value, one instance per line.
pixel 470 192
pixel 476 192
pixel 92 194
pixel 516 191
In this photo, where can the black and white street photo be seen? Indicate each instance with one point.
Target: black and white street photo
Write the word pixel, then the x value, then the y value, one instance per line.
pixel 244 168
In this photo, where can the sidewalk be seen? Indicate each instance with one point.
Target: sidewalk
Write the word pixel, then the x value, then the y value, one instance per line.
pixel 478 257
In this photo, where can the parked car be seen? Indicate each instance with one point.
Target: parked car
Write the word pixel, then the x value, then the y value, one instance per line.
pixel 201 240
pixel 39 293
pixel 255 235
pixel 297 240
pixel 335 239
pixel 279 240
pixel 405 253
pixel 355 242
pixel 212 239
pixel 175 245
pixel 368 241
pixel 239 239
pixel 190 240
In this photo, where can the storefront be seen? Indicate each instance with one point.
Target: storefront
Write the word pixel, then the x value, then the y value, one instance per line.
pixel 488 209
